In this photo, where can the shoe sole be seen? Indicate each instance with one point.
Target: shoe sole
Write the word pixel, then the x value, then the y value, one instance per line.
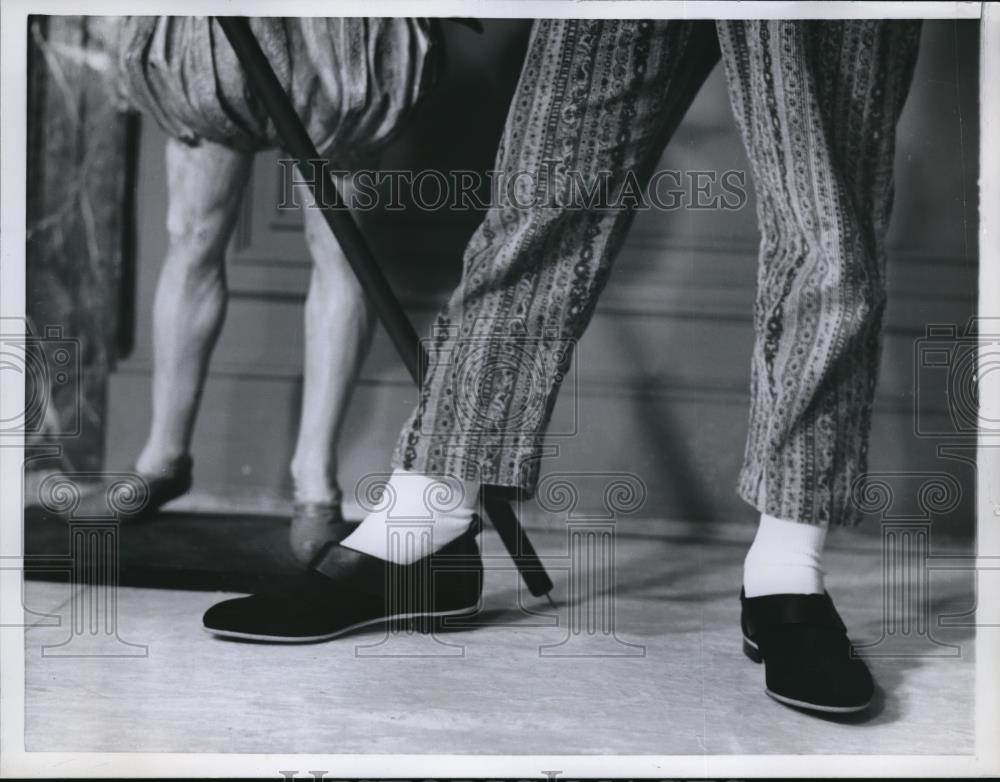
pixel 751 650
pixel 279 639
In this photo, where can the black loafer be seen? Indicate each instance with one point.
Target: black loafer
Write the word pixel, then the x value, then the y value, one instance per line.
pixel 346 590
pixel 809 661
pixel 313 525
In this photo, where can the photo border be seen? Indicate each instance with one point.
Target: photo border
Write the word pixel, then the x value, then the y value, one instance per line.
pixel 15 761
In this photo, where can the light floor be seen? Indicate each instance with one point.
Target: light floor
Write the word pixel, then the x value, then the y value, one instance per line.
pixel 674 683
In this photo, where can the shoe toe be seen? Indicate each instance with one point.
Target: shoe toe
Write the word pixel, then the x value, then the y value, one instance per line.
pixel 831 682
pixel 234 615
pixel 808 659
pixel 301 612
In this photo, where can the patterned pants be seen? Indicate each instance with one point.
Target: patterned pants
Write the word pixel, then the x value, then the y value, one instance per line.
pixel 817 105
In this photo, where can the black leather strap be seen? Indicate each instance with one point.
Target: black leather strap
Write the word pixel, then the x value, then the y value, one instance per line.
pixel 353 569
pixel 773 610
pixel 365 573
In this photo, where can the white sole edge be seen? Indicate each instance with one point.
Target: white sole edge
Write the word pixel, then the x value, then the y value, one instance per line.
pixel 277 639
pixel 816 707
pixel 805 704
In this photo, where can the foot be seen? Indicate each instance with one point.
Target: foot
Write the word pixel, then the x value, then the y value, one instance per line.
pixel 346 590
pixel 314 524
pixel 138 500
pixel 443 505
pixel 808 660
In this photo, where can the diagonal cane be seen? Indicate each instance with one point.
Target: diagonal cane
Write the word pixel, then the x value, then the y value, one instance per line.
pixel 296 140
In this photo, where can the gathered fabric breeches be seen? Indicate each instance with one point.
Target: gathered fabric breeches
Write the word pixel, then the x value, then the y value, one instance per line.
pixel 816 103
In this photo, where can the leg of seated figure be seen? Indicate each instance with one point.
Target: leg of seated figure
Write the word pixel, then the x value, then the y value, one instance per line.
pixel 204 189
pixel 339 324
pixel 817 105
pixel 594 96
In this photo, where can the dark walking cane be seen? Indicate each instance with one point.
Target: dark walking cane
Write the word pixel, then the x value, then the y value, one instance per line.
pixel 298 144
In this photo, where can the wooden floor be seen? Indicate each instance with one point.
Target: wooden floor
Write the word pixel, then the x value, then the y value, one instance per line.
pixel 673 681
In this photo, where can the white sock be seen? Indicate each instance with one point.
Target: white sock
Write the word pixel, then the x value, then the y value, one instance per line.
pixel 786 557
pixel 412 504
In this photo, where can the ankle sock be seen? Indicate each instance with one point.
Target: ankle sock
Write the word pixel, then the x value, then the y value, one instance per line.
pixel 411 504
pixel 786 557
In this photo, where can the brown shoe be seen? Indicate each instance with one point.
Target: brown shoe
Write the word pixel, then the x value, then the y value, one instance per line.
pixel 314 524
pixel 137 497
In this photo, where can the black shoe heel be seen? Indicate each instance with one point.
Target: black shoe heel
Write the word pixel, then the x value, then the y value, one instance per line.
pixel 752 652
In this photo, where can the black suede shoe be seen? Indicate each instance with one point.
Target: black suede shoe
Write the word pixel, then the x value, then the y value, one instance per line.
pixel 141 498
pixel 346 590
pixel 808 660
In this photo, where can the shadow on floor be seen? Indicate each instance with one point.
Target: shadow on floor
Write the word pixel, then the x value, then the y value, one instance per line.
pixel 193 551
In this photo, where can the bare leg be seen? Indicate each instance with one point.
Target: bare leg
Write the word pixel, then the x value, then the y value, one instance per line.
pixel 204 186
pixel 339 323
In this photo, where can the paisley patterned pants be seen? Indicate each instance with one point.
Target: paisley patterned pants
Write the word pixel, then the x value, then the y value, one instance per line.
pixel 816 103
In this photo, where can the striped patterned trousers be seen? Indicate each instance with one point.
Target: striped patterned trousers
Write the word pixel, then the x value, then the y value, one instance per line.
pixel 817 104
